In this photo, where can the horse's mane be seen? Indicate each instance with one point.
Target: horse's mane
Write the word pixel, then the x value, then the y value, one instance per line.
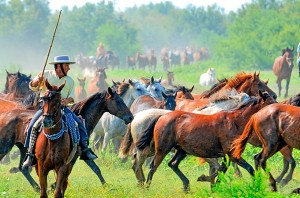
pixel 81 106
pixel 222 95
pixel 123 87
pixel 216 87
pixel 238 79
pixel 295 100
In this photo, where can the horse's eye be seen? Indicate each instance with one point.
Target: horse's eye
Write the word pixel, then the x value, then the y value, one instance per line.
pixel 138 89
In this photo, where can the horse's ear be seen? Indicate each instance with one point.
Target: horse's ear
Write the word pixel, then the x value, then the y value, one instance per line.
pixel 19 74
pixel 61 86
pixel 175 94
pixel 258 74
pixel 114 83
pixel 267 82
pixel 191 89
pixel 29 76
pixel 159 80
pixel 123 80
pixel 152 80
pixel 130 82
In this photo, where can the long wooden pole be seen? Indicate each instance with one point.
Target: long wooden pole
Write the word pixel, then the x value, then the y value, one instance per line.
pixel 51 43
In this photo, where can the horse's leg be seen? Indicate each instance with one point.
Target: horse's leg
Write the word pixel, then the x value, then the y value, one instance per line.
pixel 61 181
pixel 237 171
pixel 106 139
pixel 137 161
pixel 177 158
pixel 288 159
pixel 26 171
pixel 279 87
pixel 158 158
pixel 97 141
pixel 96 169
pixel 6 159
pixel 117 144
pixel 43 180
pixel 243 163
pixel 287 87
pixel 213 170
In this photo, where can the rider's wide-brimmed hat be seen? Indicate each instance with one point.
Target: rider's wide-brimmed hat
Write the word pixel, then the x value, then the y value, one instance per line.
pixel 62 59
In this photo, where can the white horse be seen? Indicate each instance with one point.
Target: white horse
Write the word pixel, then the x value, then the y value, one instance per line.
pixel 143 119
pixel 109 125
pixel 208 78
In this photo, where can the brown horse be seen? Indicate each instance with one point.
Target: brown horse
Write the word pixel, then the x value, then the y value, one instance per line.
pixel 206 136
pixel 98 83
pixel 141 61
pixel 152 60
pixel 276 127
pixel 53 147
pixel 242 82
pixel 184 93
pixel 13 124
pixel 169 81
pixel 16 86
pixel 282 68
pixel 80 92
pixel 131 64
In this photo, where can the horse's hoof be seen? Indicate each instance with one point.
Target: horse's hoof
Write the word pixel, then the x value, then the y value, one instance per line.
pixel 14 170
pixel 283 182
pixel 186 188
pixel 202 178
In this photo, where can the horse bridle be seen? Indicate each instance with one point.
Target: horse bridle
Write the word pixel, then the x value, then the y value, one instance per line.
pixel 50 96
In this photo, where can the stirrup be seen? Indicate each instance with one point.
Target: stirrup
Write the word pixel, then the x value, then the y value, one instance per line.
pixel 28 160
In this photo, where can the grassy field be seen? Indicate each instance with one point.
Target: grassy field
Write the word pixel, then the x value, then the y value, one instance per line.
pixel 120 179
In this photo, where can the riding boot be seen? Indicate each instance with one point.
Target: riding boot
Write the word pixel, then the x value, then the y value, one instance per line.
pixel 87 153
pixel 30 153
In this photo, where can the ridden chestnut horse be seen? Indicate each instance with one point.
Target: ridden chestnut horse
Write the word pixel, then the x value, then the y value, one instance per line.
pixel 276 126
pixel 80 92
pixel 53 146
pixel 207 136
pixel 283 67
pixel 13 124
pixel 242 82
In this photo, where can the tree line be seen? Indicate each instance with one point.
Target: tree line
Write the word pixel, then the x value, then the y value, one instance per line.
pixel 250 37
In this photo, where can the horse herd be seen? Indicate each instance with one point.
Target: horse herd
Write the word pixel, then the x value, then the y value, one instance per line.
pixel 147 120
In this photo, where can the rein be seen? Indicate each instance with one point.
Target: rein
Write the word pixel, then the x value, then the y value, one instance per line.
pixel 56 136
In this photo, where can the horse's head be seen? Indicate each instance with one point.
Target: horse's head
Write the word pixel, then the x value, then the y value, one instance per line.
pixel 265 98
pixel 17 84
pixel 116 106
pixel 169 101
pixel 102 74
pixel 155 88
pixel 81 81
pixel 252 84
pixel 289 56
pixel 186 93
pixel 137 89
pixel 51 105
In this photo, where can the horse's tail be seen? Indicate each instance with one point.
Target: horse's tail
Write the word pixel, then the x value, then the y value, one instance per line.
pixel 147 135
pixel 239 144
pixel 126 143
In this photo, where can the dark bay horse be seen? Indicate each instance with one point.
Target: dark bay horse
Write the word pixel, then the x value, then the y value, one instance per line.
pixel 207 136
pixel 53 147
pixel 276 126
pixel 13 124
pixel 141 61
pixel 16 86
pixel 282 68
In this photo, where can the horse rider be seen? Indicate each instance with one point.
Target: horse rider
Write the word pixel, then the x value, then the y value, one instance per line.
pixel 100 52
pixel 56 77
